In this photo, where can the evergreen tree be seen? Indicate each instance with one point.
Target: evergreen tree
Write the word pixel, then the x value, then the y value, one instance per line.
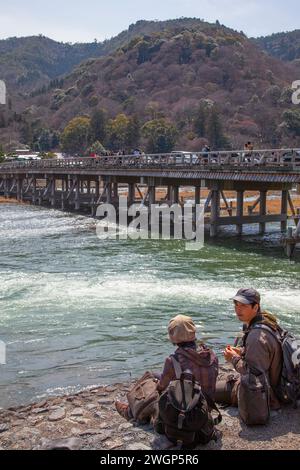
pixel 55 140
pixel 27 133
pixel 133 132
pixel 44 140
pixel 2 121
pixel 200 121
pixel 98 125
pixel 292 119
pixel 215 133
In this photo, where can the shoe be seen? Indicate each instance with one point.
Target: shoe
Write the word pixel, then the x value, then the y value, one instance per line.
pixel 122 409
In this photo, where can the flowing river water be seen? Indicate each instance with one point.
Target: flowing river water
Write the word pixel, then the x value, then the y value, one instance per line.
pixel 77 311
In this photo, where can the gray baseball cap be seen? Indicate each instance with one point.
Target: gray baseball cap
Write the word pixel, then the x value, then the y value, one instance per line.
pixel 247 296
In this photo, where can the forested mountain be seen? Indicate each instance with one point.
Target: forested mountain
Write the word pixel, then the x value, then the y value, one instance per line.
pixel 180 82
pixel 284 46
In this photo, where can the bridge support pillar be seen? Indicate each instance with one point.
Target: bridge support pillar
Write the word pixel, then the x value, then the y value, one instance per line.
pixel 53 187
pixel 39 197
pixel 151 195
pixel 131 193
pixel 215 212
pixel 175 195
pixel 6 187
pixel 109 192
pixel 97 188
pixel 77 193
pixel 62 200
pixel 63 191
pixel 34 195
pixel 169 194
pixel 284 209
pixel 239 210
pixel 262 211
pixel 115 191
pixel 19 188
pixel 197 194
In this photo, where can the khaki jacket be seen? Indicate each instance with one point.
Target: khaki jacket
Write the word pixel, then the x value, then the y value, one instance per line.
pixel 263 352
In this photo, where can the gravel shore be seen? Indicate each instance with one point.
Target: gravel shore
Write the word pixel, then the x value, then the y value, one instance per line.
pixel 88 420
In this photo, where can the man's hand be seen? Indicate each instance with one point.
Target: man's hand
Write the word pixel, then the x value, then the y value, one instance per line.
pixel 237 350
pixel 230 353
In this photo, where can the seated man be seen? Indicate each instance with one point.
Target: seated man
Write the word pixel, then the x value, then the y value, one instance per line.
pixel 201 361
pixel 259 349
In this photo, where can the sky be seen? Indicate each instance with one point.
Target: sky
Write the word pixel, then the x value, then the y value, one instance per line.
pixel 84 21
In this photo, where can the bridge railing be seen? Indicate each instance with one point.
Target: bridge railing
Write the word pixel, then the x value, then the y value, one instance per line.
pixel 281 159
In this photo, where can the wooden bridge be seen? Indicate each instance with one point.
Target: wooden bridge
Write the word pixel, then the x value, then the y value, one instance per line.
pixel 82 184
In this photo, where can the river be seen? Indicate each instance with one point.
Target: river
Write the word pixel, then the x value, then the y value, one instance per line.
pixel 76 311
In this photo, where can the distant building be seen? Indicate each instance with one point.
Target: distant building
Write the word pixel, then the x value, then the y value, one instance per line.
pixel 26 154
pixel 21 151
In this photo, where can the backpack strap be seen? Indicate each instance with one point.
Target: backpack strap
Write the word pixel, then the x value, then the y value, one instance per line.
pixel 213 406
pixel 196 397
pixel 177 367
pixel 262 326
pixel 198 392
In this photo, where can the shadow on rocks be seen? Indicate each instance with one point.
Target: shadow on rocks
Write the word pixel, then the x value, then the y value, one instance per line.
pixel 282 422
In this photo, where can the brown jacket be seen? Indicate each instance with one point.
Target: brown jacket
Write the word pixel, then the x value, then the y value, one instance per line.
pixel 202 362
pixel 264 352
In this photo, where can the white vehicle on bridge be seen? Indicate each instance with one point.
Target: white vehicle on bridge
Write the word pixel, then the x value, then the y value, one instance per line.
pixel 182 156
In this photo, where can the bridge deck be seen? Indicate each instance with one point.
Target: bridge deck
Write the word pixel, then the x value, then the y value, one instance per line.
pixel 278 166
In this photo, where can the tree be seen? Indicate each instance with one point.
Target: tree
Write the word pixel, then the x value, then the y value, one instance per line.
pixel 200 121
pixel 47 155
pixel 44 140
pixel 272 95
pixel 2 121
pixel 161 136
pixel 2 155
pixel 27 133
pixel 215 134
pixel 152 110
pixel 186 52
pixel 143 52
pixel 55 140
pixel 292 119
pixel 98 125
pixel 117 132
pixel 97 148
pixel 133 132
pixel 76 135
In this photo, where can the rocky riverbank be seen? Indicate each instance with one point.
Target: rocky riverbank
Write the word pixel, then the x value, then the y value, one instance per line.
pixel 88 420
pixel 4 200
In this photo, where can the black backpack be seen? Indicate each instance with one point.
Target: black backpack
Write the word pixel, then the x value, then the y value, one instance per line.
pixel 288 389
pixel 184 410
